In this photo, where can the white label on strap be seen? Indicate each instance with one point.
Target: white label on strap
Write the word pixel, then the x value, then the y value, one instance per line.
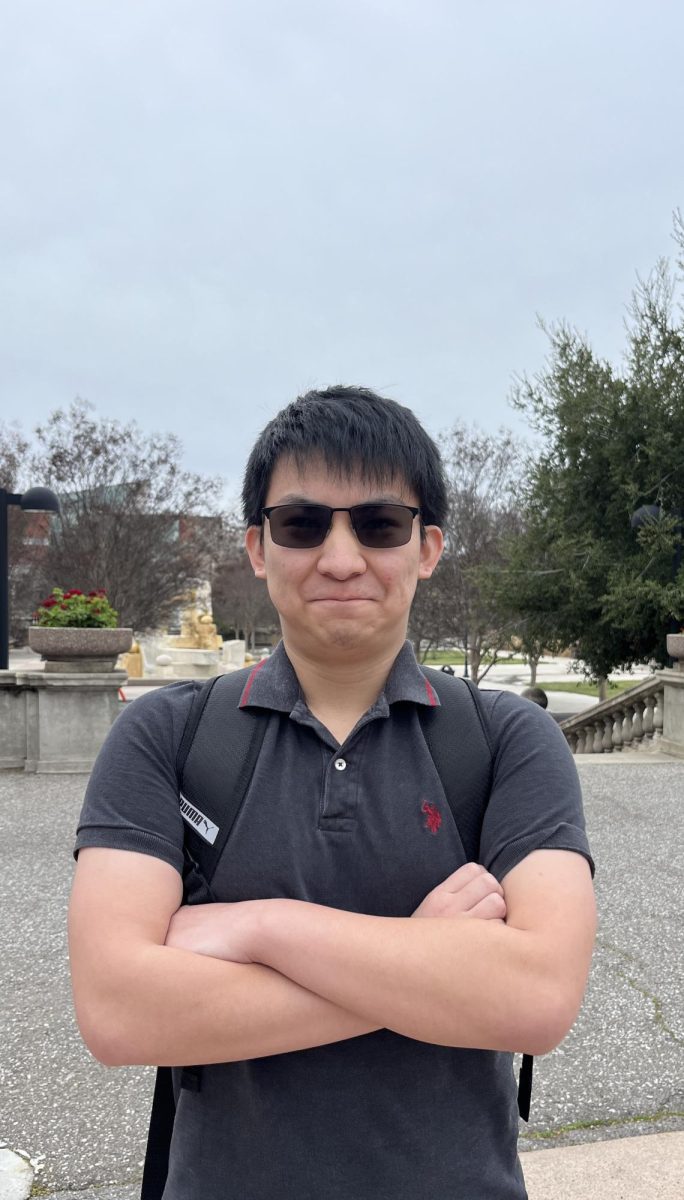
pixel 204 827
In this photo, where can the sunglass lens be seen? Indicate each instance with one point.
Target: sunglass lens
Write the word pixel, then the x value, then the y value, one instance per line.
pixel 299 526
pixel 382 525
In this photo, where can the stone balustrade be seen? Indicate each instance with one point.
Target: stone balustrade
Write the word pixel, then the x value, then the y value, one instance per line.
pixel 631 722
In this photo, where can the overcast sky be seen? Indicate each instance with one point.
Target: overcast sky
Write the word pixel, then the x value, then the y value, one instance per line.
pixel 208 207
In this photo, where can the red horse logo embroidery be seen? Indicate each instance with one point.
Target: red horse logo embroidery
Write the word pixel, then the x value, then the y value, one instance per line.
pixel 434 816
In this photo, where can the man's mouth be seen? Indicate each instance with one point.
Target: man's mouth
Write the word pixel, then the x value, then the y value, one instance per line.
pixel 339 599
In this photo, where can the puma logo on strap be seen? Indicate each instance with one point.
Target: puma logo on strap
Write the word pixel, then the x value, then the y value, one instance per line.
pixel 197 820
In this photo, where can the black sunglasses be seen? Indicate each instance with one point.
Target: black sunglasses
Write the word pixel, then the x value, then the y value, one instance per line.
pixel 378 526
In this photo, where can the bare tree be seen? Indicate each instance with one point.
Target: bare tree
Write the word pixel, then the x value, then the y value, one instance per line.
pixel 483 473
pixel 13 456
pixel 132 521
pixel 241 603
pixel 431 616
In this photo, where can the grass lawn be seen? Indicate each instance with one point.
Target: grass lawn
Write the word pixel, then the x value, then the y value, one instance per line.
pixel 436 658
pixel 584 688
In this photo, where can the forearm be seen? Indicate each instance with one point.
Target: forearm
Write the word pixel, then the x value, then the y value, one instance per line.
pixel 450 981
pixel 171 1007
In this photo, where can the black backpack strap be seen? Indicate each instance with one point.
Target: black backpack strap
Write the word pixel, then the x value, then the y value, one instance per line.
pixel 162 1116
pixel 462 747
pixel 214 765
pixel 196 888
pixel 457 733
pixel 525 1086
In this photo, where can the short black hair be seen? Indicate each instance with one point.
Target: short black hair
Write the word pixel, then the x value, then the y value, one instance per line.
pixel 537 695
pixel 355 432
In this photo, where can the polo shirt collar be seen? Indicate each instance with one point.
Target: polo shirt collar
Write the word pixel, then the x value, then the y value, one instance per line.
pixel 406 680
pixel 272 683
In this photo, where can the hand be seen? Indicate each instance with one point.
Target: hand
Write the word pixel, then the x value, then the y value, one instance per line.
pixel 469 892
pixel 218 930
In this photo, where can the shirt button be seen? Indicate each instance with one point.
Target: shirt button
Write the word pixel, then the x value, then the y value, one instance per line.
pixel 340 764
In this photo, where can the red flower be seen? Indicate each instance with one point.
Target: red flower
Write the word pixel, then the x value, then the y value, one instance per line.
pixel 49 603
pixel 62 606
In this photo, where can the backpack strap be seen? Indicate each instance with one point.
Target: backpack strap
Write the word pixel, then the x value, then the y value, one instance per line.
pixel 214 765
pixel 458 738
pixel 525 1086
pixel 162 1116
pixel 216 758
pixel 462 746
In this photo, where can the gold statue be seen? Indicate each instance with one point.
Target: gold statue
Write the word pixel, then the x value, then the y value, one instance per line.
pixel 132 662
pixel 198 631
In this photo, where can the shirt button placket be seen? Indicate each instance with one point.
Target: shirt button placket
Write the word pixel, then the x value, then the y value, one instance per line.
pixel 339 802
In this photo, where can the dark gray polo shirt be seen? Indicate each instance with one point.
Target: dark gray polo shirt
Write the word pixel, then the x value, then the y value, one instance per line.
pixel 363 826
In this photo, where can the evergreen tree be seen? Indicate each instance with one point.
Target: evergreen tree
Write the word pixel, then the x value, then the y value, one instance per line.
pixel 583 572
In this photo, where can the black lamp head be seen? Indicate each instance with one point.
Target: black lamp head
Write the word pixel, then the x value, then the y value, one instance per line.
pixel 39 499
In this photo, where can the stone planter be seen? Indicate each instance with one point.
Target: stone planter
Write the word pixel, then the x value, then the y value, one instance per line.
pixel 70 649
pixel 675 648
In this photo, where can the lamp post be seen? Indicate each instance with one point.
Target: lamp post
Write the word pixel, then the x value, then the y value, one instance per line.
pixel 37 499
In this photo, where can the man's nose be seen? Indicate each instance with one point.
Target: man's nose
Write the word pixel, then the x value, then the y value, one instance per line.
pixel 341 553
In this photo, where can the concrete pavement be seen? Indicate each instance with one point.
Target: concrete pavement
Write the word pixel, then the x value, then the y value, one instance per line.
pixel 619 1074
pixel 629 1169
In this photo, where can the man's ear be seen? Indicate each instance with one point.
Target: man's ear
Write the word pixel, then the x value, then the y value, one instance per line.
pixel 431 548
pixel 254 545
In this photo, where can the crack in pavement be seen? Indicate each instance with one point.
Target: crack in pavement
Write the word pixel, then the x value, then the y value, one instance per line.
pixel 662 1114
pixel 658 1014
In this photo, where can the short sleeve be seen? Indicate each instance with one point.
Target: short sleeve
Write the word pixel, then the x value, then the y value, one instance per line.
pixel 536 801
pixel 132 798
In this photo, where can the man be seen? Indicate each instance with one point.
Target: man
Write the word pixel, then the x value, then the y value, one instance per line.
pixel 358 986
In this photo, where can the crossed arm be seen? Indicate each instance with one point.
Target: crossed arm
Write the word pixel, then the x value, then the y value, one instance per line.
pixel 477 965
